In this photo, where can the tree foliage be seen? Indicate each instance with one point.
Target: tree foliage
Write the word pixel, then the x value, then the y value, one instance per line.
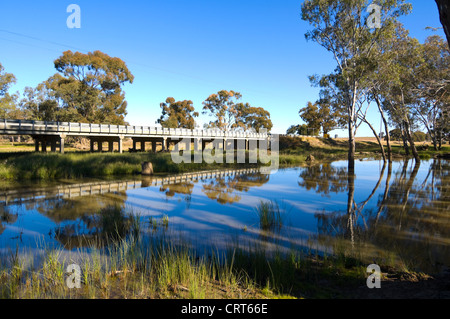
pixel 87 88
pixel 230 114
pixel 177 114
pixel 7 101
pixel 340 27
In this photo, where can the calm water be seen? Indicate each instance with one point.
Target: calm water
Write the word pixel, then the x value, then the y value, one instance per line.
pixel 399 212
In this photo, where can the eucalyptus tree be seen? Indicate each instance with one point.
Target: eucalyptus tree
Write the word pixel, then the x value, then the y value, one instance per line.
pixel 7 101
pixel 230 114
pixel 177 114
pixel 342 27
pixel 91 85
pixel 444 14
pixel 399 98
pixel 433 88
pixel 222 106
pixel 253 118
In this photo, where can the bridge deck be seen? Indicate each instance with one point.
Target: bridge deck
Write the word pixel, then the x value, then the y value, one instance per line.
pixel 54 133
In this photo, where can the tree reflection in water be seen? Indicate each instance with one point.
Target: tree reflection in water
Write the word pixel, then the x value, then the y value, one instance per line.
pixel 409 221
pixel 223 189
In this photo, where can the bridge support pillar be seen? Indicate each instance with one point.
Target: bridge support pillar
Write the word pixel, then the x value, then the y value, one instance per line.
pixel 197 144
pixel 164 144
pixel 62 139
pixel 120 144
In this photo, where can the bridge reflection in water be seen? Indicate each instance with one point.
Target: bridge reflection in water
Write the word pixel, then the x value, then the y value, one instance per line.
pixel 19 196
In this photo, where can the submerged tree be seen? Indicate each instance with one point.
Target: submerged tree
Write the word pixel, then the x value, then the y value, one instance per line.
pixel 341 28
pixel 432 89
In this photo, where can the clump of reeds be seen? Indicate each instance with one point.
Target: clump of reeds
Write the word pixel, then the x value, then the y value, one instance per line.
pixel 270 215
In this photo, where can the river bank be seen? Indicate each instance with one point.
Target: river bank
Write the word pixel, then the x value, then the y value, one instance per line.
pixel 17 166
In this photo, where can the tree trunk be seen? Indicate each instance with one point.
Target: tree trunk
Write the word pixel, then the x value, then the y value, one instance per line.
pixel 351 131
pixel 350 203
pixel 386 128
pixel 411 141
pixel 378 139
pixel 351 145
pixel 405 142
pixel 444 15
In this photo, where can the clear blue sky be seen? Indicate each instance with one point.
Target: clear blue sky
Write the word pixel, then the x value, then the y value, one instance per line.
pixel 184 49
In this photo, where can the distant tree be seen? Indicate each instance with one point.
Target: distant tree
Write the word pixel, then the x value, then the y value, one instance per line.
pixel 311 115
pixel 396 134
pixel 253 118
pixel 7 101
pixel 303 130
pixel 91 84
pixel 177 114
pixel 223 108
pixel 293 130
pixel 321 115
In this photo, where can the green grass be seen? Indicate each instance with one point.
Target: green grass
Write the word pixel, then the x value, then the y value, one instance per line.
pixel 51 166
pixel 125 261
pixel 270 216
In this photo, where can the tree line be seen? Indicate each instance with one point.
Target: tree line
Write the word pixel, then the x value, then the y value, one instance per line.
pixel 408 82
pixel 88 88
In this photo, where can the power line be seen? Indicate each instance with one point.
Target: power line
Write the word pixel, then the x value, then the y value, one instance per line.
pixel 131 62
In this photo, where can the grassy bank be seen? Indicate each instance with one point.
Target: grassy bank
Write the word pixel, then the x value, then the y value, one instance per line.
pixel 293 151
pixel 49 166
pixel 296 150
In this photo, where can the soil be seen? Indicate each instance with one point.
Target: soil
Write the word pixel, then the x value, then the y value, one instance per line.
pixel 407 286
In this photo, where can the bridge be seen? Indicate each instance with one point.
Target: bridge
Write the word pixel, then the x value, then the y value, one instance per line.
pixel 53 135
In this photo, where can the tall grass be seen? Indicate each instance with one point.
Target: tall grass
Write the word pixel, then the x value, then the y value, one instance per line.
pixel 39 166
pixel 127 260
pixel 270 215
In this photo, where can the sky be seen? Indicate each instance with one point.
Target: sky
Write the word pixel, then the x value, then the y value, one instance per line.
pixel 186 49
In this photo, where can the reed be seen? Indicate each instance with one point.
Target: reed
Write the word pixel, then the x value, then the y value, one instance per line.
pixel 270 216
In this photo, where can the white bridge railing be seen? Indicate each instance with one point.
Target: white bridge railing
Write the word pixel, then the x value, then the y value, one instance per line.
pixel 27 127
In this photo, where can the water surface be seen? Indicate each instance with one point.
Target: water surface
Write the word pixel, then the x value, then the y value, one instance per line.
pixel 398 211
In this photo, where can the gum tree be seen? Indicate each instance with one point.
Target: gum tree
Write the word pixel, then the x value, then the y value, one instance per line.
pixel 91 84
pixel 7 101
pixel 444 15
pixel 345 29
pixel 222 106
pixel 177 114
